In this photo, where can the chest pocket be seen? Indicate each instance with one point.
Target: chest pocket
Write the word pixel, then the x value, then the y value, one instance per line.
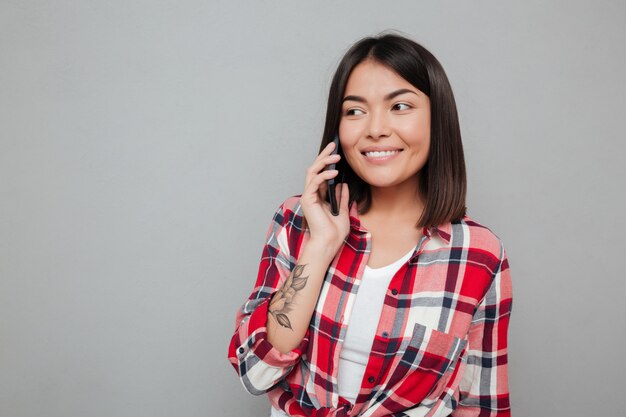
pixel 426 359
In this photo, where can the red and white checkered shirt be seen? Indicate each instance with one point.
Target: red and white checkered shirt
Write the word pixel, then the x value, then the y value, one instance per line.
pixel 441 343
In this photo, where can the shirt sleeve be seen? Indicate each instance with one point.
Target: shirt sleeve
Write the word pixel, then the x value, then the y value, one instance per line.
pixel 484 388
pixel 258 363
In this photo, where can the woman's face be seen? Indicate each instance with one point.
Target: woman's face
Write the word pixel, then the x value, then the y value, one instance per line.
pixel 384 128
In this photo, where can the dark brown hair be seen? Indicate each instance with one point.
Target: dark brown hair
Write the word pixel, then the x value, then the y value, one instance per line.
pixel 442 180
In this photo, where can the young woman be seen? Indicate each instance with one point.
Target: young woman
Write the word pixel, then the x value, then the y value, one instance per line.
pixel 400 304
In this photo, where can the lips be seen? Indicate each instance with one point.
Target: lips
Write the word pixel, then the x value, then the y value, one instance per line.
pixel 375 152
pixel 380 154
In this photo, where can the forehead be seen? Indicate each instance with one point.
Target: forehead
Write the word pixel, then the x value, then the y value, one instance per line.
pixel 373 78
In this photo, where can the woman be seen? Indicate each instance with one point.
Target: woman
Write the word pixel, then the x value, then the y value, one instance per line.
pixel 400 304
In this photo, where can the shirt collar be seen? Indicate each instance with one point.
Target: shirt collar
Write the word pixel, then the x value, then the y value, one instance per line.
pixel 443 231
pixel 355 222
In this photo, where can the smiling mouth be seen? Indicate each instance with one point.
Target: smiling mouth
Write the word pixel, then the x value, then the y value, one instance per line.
pixel 380 154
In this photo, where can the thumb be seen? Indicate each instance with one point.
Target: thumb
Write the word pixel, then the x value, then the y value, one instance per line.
pixel 345 197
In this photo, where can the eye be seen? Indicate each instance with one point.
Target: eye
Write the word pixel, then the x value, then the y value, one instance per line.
pixel 351 112
pixel 407 106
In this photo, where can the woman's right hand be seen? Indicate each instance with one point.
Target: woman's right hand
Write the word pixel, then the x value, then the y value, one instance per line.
pixel 324 228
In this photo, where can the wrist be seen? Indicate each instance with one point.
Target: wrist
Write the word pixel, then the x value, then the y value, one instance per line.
pixel 321 248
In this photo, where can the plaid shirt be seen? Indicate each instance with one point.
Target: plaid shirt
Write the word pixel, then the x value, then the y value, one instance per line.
pixel 441 343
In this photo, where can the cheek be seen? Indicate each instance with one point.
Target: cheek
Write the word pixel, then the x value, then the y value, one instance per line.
pixel 347 141
pixel 416 132
pixel 347 135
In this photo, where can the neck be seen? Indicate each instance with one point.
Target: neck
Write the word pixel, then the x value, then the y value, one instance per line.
pixel 398 202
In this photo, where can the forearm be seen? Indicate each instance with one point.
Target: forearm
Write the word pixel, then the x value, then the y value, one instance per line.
pixel 291 308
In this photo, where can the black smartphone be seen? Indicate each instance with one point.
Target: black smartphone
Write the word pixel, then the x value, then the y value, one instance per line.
pixel 332 183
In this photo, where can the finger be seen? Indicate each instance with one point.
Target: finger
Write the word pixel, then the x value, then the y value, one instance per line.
pixel 330 146
pixel 345 197
pixel 338 192
pixel 316 182
pixel 313 187
pixel 323 190
pixel 321 163
pixel 325 153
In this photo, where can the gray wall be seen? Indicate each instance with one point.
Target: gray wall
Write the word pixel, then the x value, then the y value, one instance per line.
pixel 139 149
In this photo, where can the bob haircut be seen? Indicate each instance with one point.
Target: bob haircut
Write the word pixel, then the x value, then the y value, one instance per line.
pixel 442 180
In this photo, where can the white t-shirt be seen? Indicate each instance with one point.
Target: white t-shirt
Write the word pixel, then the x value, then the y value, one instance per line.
pixel 361 329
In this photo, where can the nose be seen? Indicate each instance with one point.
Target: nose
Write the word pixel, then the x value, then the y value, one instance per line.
pixel 379 126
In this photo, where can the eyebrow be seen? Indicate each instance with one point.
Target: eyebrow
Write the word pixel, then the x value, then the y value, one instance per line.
pixel 387 97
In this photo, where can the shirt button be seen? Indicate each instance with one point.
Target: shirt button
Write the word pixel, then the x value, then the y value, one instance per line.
pixel 241 350
pixel 394 291
pixel 371 379
pixel 385 334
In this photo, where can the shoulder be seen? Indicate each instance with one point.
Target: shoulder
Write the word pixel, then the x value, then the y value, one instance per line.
pixel 477 236
pixel 486 248
pixel 291 204
pixel 287 225
pixel 290 208
pixel 289 213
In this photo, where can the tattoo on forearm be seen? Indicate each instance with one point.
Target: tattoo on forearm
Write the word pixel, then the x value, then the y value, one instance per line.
pixel 282 301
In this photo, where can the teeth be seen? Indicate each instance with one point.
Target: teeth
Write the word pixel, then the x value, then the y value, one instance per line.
pixel 380 154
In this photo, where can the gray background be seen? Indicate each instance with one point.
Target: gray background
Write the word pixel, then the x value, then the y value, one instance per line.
pixel 144 147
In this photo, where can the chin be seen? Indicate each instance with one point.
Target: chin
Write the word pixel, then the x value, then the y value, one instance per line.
pixel 385 182
pixel 382 183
